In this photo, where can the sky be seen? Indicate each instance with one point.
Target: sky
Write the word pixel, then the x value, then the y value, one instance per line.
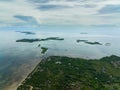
pixel 34 13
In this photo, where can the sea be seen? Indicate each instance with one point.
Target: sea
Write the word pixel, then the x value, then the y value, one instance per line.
pixel 18 59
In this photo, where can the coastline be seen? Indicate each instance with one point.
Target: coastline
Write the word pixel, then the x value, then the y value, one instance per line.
pixel 16 84
pixel 43 58
pixel 56 60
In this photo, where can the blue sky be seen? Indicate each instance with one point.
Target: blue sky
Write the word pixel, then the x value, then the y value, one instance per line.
pixel 34 13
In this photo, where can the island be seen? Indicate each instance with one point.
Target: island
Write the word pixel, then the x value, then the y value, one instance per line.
pixel 83 33
pixel 88 42
pixel 39 45
pixel 66 73
pixel 94 43
pixel 82 41
pixel 107 44
pixel 44 50
pixel 52 38
pixel 28 40
pixel 27 33
pixel 36 40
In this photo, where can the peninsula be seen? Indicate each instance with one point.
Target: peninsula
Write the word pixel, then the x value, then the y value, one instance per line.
pixel 65 73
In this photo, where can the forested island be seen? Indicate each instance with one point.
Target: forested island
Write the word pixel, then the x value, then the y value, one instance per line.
pixel 44 50
pixel 65 73
pixel 88 42
pixel 36 40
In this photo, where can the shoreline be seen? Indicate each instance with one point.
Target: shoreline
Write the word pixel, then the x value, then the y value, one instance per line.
pixel 59 60
pixel 35 67
pixel 15 85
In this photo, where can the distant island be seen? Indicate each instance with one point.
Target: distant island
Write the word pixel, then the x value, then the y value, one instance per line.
pixel 65 73
pixel 83 33
pixel 27 33
pixel 39 45
pixel 28 40
pixel 88 42
pixel 82 41
pixel 107 44
pixel 93 43
pixel 36 40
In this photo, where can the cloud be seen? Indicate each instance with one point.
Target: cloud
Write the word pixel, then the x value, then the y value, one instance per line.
pixel 110 9
pixel 5 0
pixel 27 19
pixel 10 9
pixel 51 7
pixel 39 1
pixel 59 12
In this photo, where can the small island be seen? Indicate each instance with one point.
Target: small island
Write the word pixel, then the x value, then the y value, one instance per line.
pixel 39 45
pixel 94 43
pixel 82 41
pixel 28 40
pixel 88 42
pixel 65 73
pixel 83 33
pixel 27 33
pixel 107 44
pixel 36 40
pixel 44 50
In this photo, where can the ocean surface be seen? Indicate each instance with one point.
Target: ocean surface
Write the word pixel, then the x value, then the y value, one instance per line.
pixel 18 59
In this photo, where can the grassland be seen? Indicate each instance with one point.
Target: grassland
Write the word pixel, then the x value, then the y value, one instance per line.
pixel 65 73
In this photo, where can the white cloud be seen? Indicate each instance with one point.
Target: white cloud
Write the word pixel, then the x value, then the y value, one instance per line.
pixel 79 12
pixel 16 7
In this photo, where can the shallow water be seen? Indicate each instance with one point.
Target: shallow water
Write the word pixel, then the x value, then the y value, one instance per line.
pixel 18 59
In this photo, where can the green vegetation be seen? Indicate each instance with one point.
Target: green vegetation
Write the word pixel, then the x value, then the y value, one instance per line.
pixel 64 73
pixel 39 45
pixel 82 41
pixel 44 50
pixel 52 38
pixel 36 40
pixel 28 40
pixel 93 43
pixel 87 42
